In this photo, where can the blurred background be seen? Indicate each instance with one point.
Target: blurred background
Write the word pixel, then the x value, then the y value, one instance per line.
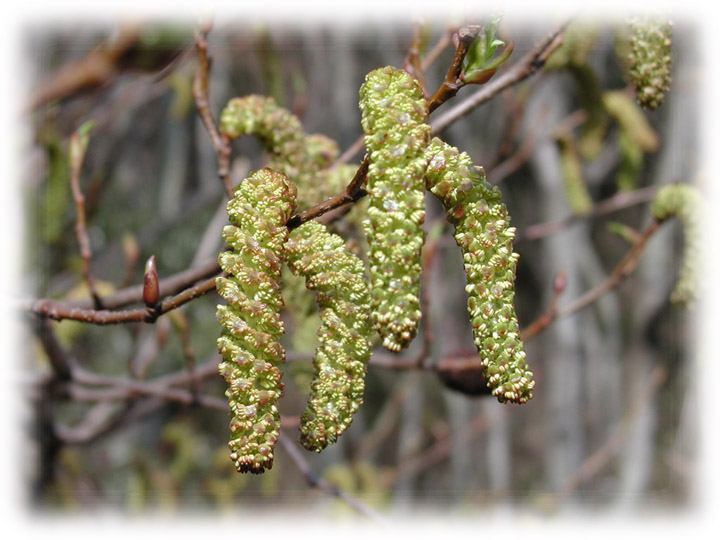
pixel 612 425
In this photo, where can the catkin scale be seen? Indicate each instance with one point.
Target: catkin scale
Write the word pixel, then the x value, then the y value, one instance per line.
pixel 250 321
pixel 482 232
pixel 393 113
pixel 344 350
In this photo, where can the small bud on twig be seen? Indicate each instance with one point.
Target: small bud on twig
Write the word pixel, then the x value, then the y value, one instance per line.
pixel 151 286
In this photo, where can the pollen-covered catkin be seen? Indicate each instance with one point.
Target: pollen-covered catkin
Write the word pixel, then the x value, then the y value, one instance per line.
pixel 250 321
pixel 303 158
pixel 482 231
pixel 650 59
pixel 393 118
pixel 344 350
pixel 683 201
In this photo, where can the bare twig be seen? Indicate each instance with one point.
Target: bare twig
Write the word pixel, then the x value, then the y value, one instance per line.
pixel 546 318
pixel 621 200
pixel 200 92
pixel 60 311
pixel 314 481
pixel 78 147
pixel 620 272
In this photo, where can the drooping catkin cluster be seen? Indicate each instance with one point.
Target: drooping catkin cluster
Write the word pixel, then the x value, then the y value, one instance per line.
pixel 650 59
pixel 303 158
pixel 344 350
pixel 482 232
pixel 250 321
pixel 683 201
pixel 393 119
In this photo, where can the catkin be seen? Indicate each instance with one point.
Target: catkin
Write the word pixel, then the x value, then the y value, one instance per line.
pixel 250 321
pixel 650 59
pixel 683 201
pixel 344 350
pixel 393 119
pixel 482 231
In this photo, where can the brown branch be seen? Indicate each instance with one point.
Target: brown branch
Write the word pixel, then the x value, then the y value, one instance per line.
pixel 314 481
pixel 452 82
pixel 59 311
pixel 220 142
pixel 78 147
pixel 551 313
pixel 624 268
pixel 502 170
pixel 352 193
pixel 524 68
pixel 619 201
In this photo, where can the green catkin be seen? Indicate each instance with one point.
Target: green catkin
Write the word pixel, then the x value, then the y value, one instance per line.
pixel 482 231
pixel 683 201
pixel 631 161
pixel 576 190
pixel 301 157
pixel 631 119
pixel 393 119
pixel 344 350
pixel 650 59
pixel 250 322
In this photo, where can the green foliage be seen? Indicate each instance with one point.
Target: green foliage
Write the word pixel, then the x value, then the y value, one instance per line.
pixel 250 322
pixel 482 232
pixel 393 119
pixel 341 358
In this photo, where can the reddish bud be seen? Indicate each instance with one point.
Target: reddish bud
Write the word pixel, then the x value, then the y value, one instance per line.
pixel 151 286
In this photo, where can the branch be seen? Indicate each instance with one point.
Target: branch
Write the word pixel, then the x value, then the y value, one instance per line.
pixel 313 481
pixel 520 71
pixel 220 142
pixel 619 201
pixel 452 83
pixel 59 311
pixel 626 266
pixel 78 148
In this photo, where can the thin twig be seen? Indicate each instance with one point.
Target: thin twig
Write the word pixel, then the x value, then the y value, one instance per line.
pixel 624 268
pixel 78 147
pixel 619 201
pixel 59 311
pixel 220 142
pixel 452 82
pixel 520 71
pixel 314 481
